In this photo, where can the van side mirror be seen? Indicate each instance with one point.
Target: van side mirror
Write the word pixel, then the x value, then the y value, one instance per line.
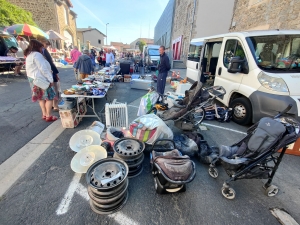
pixel 235 65
pixel 238 65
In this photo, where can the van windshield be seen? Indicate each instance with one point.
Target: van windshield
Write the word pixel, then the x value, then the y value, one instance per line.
pixel 277 53
pixel 153 52
pixel 194 52
pixel 10 41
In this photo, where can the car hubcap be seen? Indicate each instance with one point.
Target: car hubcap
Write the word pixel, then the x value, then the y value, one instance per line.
pixel 239 111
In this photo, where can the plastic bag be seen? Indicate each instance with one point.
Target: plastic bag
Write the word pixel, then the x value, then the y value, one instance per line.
pixel 147 102
pixel 150 122
pixel 109 134
pixel 186 145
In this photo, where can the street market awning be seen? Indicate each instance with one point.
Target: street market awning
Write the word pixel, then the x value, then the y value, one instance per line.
pixel 53 35
pixel 26 30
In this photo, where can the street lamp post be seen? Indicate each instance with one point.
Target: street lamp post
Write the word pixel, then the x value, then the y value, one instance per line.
pixel 106 33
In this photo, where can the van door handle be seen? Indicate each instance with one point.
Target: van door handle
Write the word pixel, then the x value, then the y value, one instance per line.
pixel 220 71
pixel 197 66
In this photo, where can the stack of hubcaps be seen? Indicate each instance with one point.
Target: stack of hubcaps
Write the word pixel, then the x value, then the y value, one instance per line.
pixel 107 185
pixel 131 151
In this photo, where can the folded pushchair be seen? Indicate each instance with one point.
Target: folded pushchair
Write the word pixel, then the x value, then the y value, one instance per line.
pixel 190 111
pixel 171 170
pixel 255 156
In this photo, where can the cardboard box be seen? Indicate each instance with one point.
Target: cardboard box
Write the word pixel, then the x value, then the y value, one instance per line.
pixel 68 118
pixel 82 106
pixel 127 78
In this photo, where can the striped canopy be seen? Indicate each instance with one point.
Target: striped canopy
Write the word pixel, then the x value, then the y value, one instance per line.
pixel 27 30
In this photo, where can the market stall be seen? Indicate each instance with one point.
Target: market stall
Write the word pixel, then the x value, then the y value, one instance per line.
pixel 91 88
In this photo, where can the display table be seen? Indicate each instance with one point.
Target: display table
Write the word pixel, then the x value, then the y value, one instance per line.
pixel 86 97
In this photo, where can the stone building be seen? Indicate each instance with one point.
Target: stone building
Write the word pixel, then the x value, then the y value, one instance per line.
pixel 195 19
pixel 265 15
pixel 93 35
pixel 134 44
pixel 52 15
pixel 120 46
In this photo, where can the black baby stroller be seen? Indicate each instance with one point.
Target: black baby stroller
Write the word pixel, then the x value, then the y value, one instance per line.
pixel 190 111
pixel 171 170
pixel 255 156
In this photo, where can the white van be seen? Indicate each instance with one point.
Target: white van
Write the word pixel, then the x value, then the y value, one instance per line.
pixel 260 71
pixel 151 56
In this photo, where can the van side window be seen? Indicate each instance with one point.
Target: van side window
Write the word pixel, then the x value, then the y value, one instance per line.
pixel 232 48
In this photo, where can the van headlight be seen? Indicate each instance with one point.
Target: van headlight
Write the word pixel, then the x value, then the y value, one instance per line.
pixel 272 83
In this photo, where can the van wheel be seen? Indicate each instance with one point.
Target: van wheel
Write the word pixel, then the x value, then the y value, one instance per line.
pixel 242 111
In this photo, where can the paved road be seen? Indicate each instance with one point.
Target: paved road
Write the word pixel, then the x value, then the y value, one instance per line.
pixel 37 195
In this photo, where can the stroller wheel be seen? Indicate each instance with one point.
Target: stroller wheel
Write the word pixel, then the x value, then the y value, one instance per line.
pixel 158 187
pixel 183 189
pixel 272 191
pixel 228 192
pixel 213 172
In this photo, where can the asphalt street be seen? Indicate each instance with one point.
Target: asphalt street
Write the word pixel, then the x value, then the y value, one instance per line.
pixel 37 196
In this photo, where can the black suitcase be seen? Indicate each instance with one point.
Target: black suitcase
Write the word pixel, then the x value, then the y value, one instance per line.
pixel 124 68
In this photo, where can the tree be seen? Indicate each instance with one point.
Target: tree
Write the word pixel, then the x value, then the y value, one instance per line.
pixel 11 14
pixel 141 45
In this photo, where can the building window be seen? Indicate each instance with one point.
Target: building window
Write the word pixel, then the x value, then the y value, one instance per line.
pixel 66 16
pixel 99 41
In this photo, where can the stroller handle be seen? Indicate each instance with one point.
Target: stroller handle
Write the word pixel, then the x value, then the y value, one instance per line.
pixel 164 139
pixel 284 111
pixel 217 91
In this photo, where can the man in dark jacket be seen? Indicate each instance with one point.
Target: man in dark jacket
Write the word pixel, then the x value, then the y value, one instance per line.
pixel 163 68
pixel 84 65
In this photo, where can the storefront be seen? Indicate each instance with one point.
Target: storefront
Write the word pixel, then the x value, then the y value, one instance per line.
pixel 176 46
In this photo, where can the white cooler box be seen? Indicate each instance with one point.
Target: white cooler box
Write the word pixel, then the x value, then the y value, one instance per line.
pixel 141 84
pixel 181 88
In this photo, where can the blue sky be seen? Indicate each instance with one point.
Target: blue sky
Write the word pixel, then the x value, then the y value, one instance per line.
pixel 128 19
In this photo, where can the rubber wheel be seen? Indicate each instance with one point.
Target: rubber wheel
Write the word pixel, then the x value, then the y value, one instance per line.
pixel 272 191
pixel 213 172
pixel 159 189
pixel 199 116
pixel 242 111
pixel 183 189
pixel 228 193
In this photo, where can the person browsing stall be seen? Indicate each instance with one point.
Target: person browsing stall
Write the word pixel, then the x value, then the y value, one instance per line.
pixel 163 68
pixel 55 72
pixel 109 58
pixel 84 65
pixel 37 67
pixel 75 55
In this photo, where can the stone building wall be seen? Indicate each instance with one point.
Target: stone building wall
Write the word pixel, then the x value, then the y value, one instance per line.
pixel 42 12
pixel 182 24
pixel 265 15
pixel 70 26
pixel 49 15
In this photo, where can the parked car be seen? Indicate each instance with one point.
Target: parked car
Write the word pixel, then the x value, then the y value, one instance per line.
pixel 6 41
